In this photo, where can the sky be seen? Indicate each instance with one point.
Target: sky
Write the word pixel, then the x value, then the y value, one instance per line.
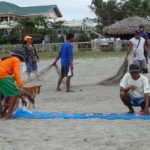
pixel 70 9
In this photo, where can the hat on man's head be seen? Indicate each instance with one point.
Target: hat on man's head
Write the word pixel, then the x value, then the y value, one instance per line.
pixel 18 53
pixel 141 27
pixel 134 68
pixel 27 37
pixel 137 32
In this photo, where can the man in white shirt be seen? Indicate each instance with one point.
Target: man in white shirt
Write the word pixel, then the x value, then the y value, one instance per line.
pixel 137 45
pixel 135 89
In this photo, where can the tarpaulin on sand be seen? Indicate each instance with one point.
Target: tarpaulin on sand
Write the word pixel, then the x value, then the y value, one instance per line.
pixel 23 113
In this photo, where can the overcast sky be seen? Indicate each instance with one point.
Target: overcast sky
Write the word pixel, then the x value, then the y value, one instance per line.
pixel 70 9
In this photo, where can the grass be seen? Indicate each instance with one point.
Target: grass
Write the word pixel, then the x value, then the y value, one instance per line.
pixel 79 54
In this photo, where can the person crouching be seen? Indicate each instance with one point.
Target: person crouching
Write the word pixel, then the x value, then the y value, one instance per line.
pixel 10 78
pixel 135 89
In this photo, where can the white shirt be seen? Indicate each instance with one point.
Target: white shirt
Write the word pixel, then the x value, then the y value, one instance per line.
pixel 138 52
pixel 142 85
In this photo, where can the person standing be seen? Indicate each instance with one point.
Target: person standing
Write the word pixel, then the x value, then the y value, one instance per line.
pixel 147 43
pixel 66 55
pixel 31 56
pixel 137 45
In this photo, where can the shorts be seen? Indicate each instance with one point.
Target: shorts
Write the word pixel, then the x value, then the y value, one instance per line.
pixel 8 87
pixel 66 71
pixel 31 66
pixel 137 101
pixel 141 63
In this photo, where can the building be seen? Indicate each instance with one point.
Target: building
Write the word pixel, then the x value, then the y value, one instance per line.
pixel 11 13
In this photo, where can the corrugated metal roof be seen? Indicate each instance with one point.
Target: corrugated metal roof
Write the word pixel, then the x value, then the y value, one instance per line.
pixel 9 8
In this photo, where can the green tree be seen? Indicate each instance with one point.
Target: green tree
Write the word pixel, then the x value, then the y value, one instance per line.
pixel 111 11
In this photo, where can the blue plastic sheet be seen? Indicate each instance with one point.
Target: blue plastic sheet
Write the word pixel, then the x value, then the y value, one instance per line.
pixel 23 113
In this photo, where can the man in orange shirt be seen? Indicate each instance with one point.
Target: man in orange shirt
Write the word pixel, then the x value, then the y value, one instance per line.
pixel 9 67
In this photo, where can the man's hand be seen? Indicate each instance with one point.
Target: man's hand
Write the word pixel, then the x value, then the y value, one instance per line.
pixel 149 55
pixel 21 91
pixel 54 63
pixel 126 58
pixel 133 88
pixel 146 110
pixel 71 66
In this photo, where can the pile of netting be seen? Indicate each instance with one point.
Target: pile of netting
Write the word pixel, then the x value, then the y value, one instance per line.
pixel 117 77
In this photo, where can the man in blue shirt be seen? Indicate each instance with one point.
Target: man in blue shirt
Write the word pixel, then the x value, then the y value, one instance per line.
pixel 147 43
pixel 66 55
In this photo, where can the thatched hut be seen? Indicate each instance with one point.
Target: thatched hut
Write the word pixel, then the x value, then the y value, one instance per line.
pixel 125 28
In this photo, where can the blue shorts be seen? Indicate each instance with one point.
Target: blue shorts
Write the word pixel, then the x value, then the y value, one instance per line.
pixel 31 66
pixel 137 101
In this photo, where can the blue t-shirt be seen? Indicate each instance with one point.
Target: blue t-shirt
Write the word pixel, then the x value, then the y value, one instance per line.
pixel 145 36
pixel 66 53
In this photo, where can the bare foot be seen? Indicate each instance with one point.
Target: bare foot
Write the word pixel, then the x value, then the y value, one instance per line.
pixel 9 117
pixel 69 91
pixel 58 89
pixel 131 111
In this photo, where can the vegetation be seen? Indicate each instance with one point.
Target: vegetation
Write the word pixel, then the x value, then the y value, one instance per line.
pixel 36 27
pixel 79 54
pixel 110 11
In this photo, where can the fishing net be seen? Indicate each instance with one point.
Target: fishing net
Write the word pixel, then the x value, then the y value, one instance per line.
pixel 110 81
pixel 116 78
pixel 43 73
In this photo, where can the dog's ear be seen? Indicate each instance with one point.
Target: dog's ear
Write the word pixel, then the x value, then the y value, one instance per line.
pixel 40 86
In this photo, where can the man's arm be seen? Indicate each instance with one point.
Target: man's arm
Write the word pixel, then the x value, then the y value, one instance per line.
pixel 132 87
pixel 146 49
pixel 58 57
pixel 71 63
pixel 148 43
pixel 129 50
pixel 146 109
pixel 70 55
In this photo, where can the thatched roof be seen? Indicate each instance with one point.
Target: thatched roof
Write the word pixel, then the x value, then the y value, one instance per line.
pixel 126 26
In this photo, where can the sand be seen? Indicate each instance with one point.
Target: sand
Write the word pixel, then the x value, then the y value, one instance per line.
pixel 71 134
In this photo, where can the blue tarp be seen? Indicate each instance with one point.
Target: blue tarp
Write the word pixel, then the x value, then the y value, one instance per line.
pixel 23 113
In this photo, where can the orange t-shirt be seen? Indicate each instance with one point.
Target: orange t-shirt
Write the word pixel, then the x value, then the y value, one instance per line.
pixel 9 67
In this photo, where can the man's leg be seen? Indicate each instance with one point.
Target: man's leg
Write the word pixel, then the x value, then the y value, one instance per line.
pixel 59 83
pixel 137 62
pixel 68 84
pixel 127 101
pixel 1 104
pixel 146 56
pixel 143 105
pixel 28 75
pixel 13 101
pixel 144 66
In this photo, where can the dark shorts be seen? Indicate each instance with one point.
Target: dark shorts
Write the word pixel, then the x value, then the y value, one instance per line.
pixel 66 71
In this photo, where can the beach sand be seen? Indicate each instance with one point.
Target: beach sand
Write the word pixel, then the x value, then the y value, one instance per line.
pixel 76 134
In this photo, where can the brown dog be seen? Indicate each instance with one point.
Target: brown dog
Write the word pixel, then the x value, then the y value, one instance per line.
pixel 34 90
